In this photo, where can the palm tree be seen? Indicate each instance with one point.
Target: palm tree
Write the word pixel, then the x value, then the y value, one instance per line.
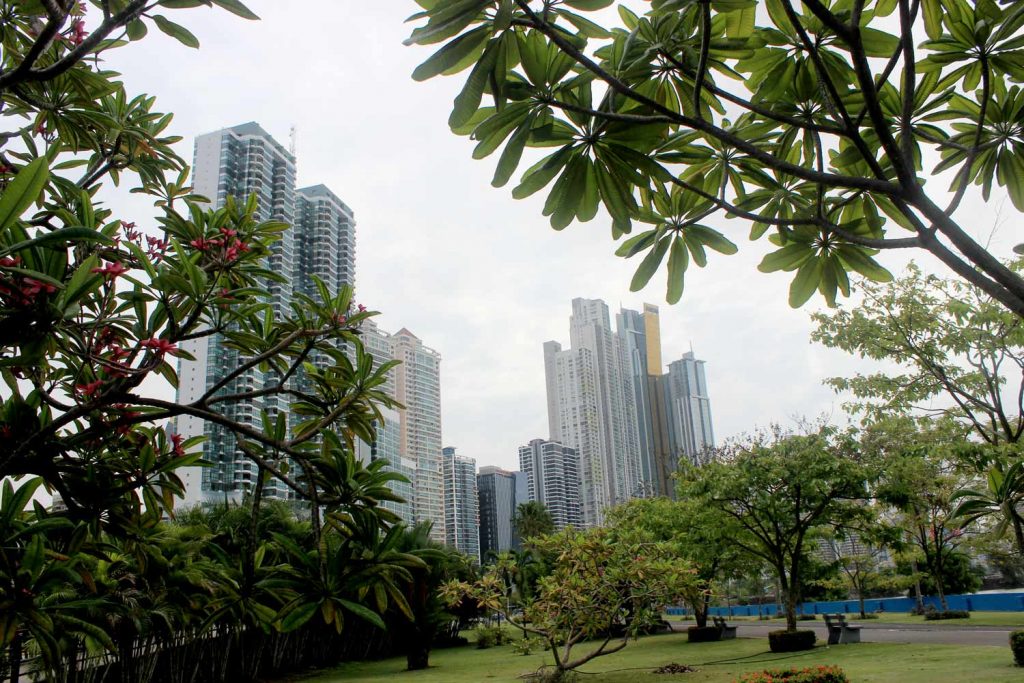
pixel 1001 500
pixel 532 519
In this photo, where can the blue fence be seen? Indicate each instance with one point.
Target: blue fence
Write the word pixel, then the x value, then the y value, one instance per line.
pixel 988 602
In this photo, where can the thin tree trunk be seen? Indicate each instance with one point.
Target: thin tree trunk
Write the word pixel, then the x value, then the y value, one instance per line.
pixel 1018 532
pixel 15 658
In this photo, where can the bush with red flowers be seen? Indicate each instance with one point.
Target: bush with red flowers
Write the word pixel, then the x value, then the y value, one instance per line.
pixel 814 674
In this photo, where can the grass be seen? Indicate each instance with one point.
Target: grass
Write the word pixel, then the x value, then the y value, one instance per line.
pixel 719 662
pixel 977 619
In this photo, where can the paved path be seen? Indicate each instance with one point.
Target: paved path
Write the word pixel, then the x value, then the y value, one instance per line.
pixel 889 633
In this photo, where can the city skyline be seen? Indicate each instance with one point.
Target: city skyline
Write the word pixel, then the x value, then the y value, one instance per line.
pixel 483 313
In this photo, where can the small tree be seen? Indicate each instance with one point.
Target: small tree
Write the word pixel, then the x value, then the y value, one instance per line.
pixel 700 535
pixel 603 587
pixel 780 489
pixel 919 479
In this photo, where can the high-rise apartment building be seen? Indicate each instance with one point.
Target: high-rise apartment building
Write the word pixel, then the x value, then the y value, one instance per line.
pixel 240 161
pixel 416 384
pixel 418 388
pixel 689 409
pixel 325 240
pixel 461 503
pixel 610 399
pixel 592 408
pixel 552 478
pixel 501 492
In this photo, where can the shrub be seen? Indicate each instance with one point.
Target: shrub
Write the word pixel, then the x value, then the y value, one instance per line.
pixel 703 634
pixel 947 614
pixel 815 674
pixel 791 641
pixel 869 615
pixel 489 636
pixel 528 645
pixel 1017 645
pixel 807 617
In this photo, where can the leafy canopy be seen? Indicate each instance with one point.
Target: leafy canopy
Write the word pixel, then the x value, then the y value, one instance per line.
pixel 816 123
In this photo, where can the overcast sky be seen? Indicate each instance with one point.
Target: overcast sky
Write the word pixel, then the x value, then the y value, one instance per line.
pixel 477 275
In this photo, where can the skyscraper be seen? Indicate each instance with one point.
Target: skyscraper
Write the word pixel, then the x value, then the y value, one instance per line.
pixel 241 161
pixel 592 408
pixel 501 492
pixel 461 503
pixel 418 388
pixel 610 399
pixel 689 409
pixel 416 384
pixel 552 477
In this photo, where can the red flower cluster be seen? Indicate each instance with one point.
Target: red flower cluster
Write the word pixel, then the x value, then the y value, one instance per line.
pixel 156 248
pixel 78 33
pixel 19 290
pixel 814 674
pixel 160 346
pixel 111 270
pixel 178 449
pixel 227 248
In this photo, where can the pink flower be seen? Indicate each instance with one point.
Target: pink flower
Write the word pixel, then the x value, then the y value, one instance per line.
pixel 32 287
pixel 90 388
pixel 10 261
pixel 160 346
pixel 111 270
pixel 362 308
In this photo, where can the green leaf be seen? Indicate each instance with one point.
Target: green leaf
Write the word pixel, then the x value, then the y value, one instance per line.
pixel 588 5
pixel 538 176
pixel 649 265
pixel 857 258
pixel 363 613
pixel 678 259
pixel 457 52
pixel 637 243
pixel 788 258
pixel 237 8
pixel 805 283
pixel 136 29
pixel 23 191
pixel 176 31
pixel 73 234
pixel 298 616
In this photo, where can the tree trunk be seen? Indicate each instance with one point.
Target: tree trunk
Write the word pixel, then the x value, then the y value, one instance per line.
pixel 700 613
pixel 918 598
pixel 418 655
pixel 15 658
pixel 1018 532
pixel 860 597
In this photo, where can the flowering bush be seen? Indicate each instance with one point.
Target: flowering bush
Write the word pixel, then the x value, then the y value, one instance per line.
pixel 815 674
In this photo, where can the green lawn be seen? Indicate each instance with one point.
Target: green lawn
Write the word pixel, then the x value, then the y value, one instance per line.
pixel 717 663
pixel 977 619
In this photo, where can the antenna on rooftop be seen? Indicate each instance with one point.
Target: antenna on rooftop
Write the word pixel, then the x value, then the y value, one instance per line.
pixel 292 134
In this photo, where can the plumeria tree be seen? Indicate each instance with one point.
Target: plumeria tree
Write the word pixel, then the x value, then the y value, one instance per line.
pixel 95 305
pixel 604 587
pixel 836 128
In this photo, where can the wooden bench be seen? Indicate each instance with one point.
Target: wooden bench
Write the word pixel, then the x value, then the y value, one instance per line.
pixel 840 632
pixel 728 632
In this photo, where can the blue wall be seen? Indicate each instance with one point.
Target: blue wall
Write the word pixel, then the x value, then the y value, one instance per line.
pixel 987 602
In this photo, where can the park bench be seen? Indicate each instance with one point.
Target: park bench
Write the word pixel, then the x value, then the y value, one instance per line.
pixel 840 632
pixel 726 630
